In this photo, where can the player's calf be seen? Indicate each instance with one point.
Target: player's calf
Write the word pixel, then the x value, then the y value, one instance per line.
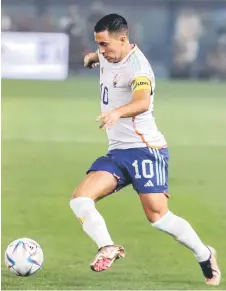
pixel 157 212
pixel 94 225
pixel 95 186
pixel 92 221
pixel 183 232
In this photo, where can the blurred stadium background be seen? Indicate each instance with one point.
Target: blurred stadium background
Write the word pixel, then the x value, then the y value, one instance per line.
pixel 182 38
pixel 49 138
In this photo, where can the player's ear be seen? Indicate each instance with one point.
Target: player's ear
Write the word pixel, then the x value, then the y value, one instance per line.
pixel 122 38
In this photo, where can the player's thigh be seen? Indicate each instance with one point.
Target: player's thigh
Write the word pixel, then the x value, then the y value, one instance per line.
pixel 96 185
pixel 103 178
pixel 155 205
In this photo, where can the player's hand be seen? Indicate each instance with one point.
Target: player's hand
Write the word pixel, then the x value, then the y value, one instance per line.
pixel 90 61
pixel 108 119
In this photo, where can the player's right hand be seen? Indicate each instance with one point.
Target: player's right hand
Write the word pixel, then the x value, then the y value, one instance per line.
pixel 109 118
pixel 90 61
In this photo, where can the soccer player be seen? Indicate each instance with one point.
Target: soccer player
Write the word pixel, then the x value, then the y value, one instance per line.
pixel 138 152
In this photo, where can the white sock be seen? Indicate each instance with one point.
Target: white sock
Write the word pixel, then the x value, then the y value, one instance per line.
pixel 92 222
pixel 182 231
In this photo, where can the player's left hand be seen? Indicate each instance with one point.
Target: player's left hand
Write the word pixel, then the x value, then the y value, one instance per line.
pixel 108 119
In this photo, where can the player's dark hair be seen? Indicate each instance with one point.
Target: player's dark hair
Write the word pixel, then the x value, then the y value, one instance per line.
pixel 113 23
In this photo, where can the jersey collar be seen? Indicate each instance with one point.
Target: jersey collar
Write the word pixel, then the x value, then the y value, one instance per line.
pixel 126 58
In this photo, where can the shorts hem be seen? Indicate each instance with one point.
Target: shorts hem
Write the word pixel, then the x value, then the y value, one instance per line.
pixel 153 191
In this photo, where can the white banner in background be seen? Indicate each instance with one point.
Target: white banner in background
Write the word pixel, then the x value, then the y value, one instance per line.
pixel 34 55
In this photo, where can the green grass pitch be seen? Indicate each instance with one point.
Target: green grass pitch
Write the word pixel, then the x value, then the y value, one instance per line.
pixel 50 138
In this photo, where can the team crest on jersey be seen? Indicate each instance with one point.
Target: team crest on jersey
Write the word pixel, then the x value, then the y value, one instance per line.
pixel 102 70
pixel 116 80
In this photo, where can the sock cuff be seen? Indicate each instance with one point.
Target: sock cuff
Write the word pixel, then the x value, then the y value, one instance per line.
pixel 79 202
pixel 163 220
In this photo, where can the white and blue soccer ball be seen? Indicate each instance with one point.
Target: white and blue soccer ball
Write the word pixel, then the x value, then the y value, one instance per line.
pixel 24 257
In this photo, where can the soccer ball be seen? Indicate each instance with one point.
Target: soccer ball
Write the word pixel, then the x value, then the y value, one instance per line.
pixel 24 257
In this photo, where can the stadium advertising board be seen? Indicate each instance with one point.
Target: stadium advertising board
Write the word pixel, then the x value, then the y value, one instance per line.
pixel 35 55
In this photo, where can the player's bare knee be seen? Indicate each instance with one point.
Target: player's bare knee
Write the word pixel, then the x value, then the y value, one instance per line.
pixel 96 185
pixel 155 216
pixel 77 193
pixel 88 193
pixel 86 188
pixel 155 206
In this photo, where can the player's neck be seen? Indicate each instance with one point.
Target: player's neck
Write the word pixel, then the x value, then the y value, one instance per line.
pixel 128 48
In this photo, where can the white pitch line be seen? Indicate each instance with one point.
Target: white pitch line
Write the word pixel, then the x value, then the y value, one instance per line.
pixel 52 139
pixel 65 139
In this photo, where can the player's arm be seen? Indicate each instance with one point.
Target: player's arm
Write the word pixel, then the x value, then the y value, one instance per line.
pixel 141 98
pixel 91 60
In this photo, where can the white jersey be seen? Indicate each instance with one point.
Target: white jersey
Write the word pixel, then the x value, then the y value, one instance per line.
pixel 117 81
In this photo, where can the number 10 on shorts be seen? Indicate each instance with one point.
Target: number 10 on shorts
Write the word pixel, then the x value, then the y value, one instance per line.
pixel 144 169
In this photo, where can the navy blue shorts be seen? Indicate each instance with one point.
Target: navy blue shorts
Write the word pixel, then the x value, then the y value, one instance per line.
pixel 145 168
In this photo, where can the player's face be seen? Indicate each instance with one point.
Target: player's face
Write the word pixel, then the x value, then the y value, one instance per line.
pixel 110 45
